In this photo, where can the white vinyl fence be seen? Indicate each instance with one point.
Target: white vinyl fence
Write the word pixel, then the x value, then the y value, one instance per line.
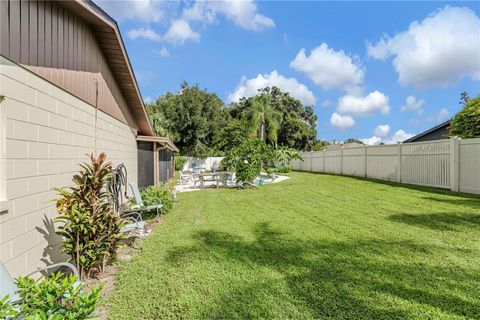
pixel 209 163
pixel 450 164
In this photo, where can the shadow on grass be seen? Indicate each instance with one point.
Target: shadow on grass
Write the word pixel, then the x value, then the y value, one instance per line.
pixel 472 202
pixel 451 221
pixel 328 279
pixel 474 198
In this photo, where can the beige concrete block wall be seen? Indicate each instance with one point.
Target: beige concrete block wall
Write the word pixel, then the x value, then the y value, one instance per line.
pixel 48 132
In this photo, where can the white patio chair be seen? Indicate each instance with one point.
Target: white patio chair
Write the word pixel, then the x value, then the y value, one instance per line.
pixel 138 199
pixel 185 177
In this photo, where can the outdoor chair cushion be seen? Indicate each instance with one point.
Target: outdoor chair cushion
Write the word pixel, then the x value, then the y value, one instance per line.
pixel 152 207
pixel 134 226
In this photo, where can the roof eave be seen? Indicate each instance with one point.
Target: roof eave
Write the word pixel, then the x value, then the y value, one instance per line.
pixel 98 17
pixel 161 140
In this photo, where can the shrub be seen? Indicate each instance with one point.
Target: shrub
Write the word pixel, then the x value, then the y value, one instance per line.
pixel 158 194
pixel 248 159
pixel 180 162
pixel 90 229
pixel 285 155
pixel 6 309
pixel 285 169
pixel 57 297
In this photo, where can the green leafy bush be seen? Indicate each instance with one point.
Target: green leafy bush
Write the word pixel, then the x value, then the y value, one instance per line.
pixel 6 309
pixel 285 155
pixel 55 298
pixel 248 159
pixel 158 194
pixel 180 162
pixel 89 227
pixel 285 169
pixel 466 123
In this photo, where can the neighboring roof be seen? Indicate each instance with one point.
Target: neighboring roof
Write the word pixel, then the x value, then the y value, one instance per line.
pixel 110 41
pixel 438 127
pixel 344 145
pixel 162 140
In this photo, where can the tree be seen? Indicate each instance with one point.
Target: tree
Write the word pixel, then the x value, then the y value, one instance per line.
pixel 319 145
pixel 248 159
pixel 235 132
pixel 353 140
pixel 298 123
pixel 464 98
pixel 263 118
pixel 466 123
pixel 193 119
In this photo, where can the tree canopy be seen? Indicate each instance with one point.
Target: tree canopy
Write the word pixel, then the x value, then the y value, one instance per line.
pixel 466 123
pixel 193 119
pixel 297 124
pixel 200 124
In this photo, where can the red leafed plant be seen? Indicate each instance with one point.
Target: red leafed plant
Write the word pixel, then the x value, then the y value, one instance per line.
pixel 89 227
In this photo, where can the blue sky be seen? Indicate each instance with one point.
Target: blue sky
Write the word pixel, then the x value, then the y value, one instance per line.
pixel 379 71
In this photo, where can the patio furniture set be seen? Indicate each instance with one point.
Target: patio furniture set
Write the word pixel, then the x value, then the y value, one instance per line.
pixel 203 178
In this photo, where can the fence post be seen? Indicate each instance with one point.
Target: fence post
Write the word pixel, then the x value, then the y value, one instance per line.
pixel 365 161
pixel 341 159
pixel 399 162
pixel 454 164
pixel 324 156
pixel 311 161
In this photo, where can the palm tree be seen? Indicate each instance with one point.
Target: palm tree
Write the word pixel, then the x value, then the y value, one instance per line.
pixel 263 118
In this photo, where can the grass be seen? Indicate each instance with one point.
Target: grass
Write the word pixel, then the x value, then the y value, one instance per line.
pixel 315 246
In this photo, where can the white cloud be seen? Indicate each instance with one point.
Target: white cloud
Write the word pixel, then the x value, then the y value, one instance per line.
pixel 412 104
pixel 330 69
pixel 435 52
pixel 145 33
pixel 180 31
pixel 382 130
pixel 148 99
pixel 442 115
pixel 164 52
pixel 326 103
pixel 342 122
pixel 250 87
pixel 372 141
pixel 374 102
pixel 243 13
pixel 399 136
pixel 143 10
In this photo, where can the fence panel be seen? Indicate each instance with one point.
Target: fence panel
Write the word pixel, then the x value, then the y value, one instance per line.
pixel 318 161
pixel 382 162
pixel 307 162
pixel 333 161
pixel 426 164
pixel 296 164
pixel 469 165
pixel 353 162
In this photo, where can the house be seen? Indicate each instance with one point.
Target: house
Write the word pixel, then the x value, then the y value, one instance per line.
pixel 436 133
pixel 69 90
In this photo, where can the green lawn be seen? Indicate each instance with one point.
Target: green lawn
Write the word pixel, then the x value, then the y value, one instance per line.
pixel 315 246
